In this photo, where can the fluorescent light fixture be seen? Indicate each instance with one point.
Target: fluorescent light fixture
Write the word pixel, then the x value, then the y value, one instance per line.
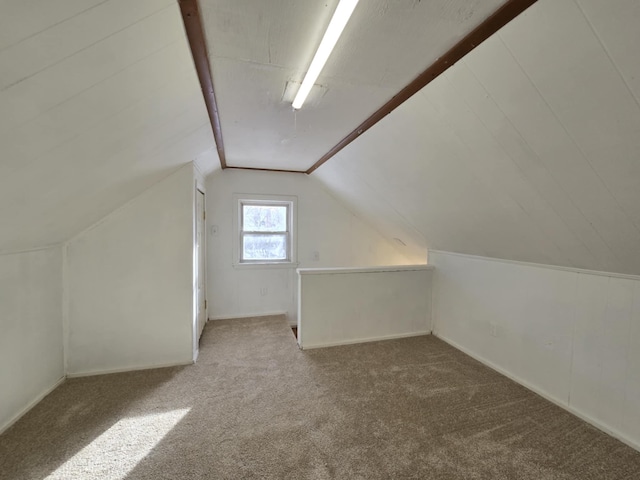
pixel 334 30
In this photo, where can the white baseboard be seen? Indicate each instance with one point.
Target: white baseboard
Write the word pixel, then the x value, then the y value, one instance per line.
pixel 247 315
pixel 583 416
pixel 304 346
pixel 91 373
pixel 31 404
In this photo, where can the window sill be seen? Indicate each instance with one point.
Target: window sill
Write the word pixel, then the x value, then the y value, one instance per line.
pixel 266 265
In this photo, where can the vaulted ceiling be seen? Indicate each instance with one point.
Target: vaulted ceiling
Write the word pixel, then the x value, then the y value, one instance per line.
pixel 98 100
pixel 527 149
pixel 260 51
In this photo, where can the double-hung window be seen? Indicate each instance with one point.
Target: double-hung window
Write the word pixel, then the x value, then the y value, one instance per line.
pixel 265 233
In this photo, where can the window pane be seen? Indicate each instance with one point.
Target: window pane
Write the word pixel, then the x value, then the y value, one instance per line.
pixel 264 218
pixel 264 247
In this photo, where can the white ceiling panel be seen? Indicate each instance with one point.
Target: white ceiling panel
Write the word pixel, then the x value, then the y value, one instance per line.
pixel 61 40
pixel 255 48
pixel 615 25
pixel 259 114
pixel 144 80
pixel 591 109
pixel 527 182
pixel 527 149
pixel 553 166
pixel 61 81
pixel 25 18
pixel 96 106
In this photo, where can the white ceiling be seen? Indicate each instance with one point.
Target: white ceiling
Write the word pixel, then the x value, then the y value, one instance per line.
pixel 256 47
pixel 528 149
pixel 98 100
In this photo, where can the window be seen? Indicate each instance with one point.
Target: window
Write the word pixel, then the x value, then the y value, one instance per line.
pixel 265 230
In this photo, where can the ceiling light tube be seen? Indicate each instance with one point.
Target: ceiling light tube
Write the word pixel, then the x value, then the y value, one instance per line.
pixel 334 30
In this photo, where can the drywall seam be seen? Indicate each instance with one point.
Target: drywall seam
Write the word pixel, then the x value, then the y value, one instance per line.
pixel 124 206
pixel 304 346
pixel 31 404
pixel 542 265
pixel 29 250
pixel 609 55
pixel 91 373
pixel 560 403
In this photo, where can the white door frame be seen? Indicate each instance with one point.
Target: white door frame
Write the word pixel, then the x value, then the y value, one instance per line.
pixel 201 269
pixel 199 189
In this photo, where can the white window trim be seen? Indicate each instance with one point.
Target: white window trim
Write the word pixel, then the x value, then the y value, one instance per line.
pixel 292 201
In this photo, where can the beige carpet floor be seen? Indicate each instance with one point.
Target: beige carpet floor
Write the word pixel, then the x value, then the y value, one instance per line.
pixel 254 406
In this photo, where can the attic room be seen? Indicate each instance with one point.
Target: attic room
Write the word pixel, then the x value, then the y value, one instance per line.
pixel 330 239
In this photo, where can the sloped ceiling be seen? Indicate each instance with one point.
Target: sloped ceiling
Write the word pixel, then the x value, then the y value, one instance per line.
pixel 98 100
pixel 528 149
pixel 257 47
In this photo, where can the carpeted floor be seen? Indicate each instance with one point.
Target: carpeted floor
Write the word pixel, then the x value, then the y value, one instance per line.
pixel 254 406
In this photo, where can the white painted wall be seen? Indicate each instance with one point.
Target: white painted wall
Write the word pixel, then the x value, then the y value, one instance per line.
pixel 340 306
pixel 130 280
pixel 324 225
pixel 573 336
pixel 31 353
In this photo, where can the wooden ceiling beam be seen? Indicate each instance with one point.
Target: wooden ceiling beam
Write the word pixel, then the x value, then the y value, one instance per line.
pixel 507 12
pixel 195 33
pixel 197 42
pixel 266 169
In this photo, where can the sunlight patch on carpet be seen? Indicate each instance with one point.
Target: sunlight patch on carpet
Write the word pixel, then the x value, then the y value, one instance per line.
pixel 115 453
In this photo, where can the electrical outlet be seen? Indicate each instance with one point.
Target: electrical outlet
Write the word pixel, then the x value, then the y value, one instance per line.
pixel 264 291
pixel 315 256
pixel 494 329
